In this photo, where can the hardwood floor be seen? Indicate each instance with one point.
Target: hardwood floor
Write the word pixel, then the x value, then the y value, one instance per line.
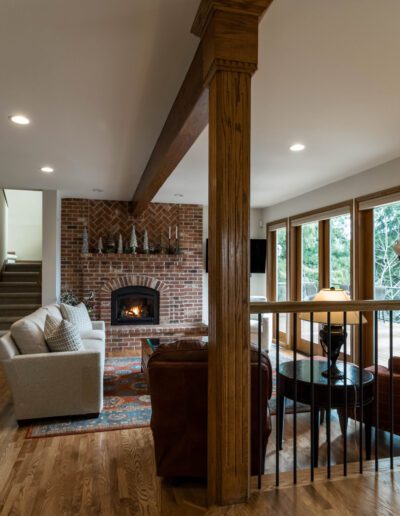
pixel 113 473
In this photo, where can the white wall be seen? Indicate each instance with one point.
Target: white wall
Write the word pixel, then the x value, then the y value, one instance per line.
pixel 3 227
pixel 25 224
pixel 370 181
pixel 51 262
pixel 257 281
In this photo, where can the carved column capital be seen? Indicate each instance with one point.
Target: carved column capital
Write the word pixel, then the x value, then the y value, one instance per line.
pixel 229 42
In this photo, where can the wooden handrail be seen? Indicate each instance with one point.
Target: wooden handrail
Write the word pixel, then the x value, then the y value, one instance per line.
pixel 283 307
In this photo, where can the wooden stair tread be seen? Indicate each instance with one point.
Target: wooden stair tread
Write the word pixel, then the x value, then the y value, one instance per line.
pixel 20 306
pixel 10 318
pixel 18 294
pixel 19 283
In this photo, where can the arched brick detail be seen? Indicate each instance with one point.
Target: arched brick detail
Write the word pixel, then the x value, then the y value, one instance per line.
pixel 133 280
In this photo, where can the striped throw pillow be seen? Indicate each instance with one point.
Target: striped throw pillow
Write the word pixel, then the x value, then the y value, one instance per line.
pixel 77 315
pixel 61 335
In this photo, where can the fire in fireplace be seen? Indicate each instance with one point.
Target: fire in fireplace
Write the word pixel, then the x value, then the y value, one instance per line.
pixel 135 305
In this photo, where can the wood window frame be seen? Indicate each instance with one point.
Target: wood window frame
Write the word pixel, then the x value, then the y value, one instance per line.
pixel 364 258
pixel 295 256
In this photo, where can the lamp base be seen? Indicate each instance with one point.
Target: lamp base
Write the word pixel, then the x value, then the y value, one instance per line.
pixel 336 373
pixel 332 338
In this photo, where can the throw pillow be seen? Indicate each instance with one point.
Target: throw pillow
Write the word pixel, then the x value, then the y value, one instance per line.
pixel 28 336
pixel 61 335
pixel 77 315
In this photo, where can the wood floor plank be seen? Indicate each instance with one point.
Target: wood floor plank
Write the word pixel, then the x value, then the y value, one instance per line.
pixel 113 473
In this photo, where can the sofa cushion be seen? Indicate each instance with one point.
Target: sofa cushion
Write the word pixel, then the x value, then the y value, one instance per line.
pixel 77 315
pixel 54 311
pixel 28 333
pixel 92 335
pixel 95 345
pixel 62 335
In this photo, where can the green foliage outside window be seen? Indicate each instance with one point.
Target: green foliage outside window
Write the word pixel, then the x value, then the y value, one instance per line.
pixel 310 260
pixel 281 269
pixel 340 236
pixel 387 264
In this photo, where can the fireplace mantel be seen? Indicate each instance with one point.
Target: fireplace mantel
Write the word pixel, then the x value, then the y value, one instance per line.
pixel 112 257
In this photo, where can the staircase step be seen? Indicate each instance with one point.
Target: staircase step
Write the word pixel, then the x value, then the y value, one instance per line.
pixel 21 276
pixel 6 322
pixel 20 298
pixel 17 310
pixel 19 286
pixel 23 267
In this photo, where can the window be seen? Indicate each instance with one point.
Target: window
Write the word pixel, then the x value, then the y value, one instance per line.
pixel 309 271
pixel 340 252
pixel 281 277
pixel 386 272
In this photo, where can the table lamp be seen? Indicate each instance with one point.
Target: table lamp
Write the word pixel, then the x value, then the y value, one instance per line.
pixel 337 330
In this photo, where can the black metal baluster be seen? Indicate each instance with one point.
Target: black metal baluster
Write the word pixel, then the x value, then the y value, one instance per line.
pixel 391 395
pixel 295 399
pixel 328 412
pixel 278 429
pixel 345 396
pixel 361 387
pixel 260 408
pixel 376 332
pixel 312 395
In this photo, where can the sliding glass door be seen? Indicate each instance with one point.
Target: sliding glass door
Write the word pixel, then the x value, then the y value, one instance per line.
pixel 386 273
pixel 281 279
pixel 309 272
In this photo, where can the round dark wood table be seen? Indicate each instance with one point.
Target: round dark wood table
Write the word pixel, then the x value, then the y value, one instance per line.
pixel 321 389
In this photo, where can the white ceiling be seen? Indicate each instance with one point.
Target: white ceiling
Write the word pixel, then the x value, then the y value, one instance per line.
pixel 328 77
pixel 98 78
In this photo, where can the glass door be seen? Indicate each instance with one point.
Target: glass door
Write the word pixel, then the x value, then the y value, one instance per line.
pixel 309 273
pixel 340 260
pixel 386 274
pixel 281 279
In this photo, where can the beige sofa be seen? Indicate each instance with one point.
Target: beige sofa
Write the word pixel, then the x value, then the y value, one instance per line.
pixel 45 384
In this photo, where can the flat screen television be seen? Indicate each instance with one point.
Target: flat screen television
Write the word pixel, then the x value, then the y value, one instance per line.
pixel 258 255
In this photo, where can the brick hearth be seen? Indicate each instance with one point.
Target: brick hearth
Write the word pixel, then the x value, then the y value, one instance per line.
pixel 178 278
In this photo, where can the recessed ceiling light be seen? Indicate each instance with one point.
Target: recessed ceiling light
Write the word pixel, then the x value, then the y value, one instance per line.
pixel 47 169
pixel 97 190
pixel 297 147
pixel 19 119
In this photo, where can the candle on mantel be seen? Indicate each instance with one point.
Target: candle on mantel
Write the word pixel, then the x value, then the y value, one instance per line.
pixel 169 232
pixel 176 232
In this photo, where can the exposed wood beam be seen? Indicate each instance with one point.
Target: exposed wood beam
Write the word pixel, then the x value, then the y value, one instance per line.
pixel 189 114
pixel 185 122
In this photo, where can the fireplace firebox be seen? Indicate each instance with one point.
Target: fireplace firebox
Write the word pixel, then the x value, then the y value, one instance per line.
pixel 135 305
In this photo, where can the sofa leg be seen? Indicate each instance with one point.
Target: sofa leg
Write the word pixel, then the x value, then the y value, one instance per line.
pixel 23 422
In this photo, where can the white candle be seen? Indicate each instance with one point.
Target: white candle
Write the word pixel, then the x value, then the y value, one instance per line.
pixel 176 232
pixel 169 232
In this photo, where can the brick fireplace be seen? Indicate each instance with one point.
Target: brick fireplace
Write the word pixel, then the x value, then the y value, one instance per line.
pixel 177 278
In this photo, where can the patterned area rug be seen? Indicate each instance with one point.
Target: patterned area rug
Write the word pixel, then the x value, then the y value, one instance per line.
pixel 126 404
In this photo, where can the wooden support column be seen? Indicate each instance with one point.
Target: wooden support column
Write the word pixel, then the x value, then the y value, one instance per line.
pixel 219 79
pixel 229 211
pixel 230 42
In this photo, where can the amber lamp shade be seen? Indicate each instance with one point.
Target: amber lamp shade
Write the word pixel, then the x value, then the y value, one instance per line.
pixel 333 334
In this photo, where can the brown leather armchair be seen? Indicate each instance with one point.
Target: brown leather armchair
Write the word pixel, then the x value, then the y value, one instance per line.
pixel 384 405
pixel 178 388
